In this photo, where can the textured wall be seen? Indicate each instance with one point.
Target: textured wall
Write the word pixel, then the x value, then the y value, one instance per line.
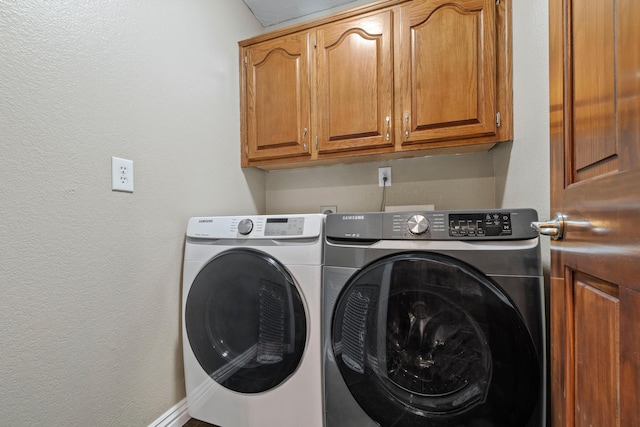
pixel 522 167
pixel 450 182
pixel 90 278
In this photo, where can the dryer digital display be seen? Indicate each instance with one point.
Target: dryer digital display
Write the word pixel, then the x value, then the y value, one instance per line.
pixel 284 227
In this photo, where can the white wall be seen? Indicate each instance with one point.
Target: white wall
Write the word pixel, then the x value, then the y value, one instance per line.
pixel 90 278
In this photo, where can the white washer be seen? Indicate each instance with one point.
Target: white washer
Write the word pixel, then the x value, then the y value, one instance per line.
pixel 251 320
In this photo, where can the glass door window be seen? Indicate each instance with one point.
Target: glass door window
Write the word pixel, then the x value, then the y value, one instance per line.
pixel 424 339
pixel 245 321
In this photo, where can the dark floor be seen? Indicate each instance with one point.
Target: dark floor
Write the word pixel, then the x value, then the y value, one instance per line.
pixel 196 423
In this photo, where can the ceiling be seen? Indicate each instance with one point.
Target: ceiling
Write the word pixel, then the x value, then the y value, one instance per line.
pixel 271 12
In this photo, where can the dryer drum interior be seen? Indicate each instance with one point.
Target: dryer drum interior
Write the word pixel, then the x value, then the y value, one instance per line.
pixel 246 321
pixel 424 339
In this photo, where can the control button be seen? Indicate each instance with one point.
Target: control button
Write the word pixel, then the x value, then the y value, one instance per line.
pixel 245 226
pixel 418 224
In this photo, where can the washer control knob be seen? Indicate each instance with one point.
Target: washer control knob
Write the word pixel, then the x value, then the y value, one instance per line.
pixel 418 224
pixel 245 226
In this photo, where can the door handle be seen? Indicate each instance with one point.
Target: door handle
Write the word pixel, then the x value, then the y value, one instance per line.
pixel 553 228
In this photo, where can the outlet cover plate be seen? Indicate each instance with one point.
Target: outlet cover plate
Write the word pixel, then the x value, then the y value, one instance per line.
pixel 121 175
pixel 382 172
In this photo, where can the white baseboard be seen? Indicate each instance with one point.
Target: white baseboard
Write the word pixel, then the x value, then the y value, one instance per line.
pixel 177 416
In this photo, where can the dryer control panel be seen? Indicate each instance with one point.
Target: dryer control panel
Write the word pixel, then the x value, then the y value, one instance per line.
pixel 274 227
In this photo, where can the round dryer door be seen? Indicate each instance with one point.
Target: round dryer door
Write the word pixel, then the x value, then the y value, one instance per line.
pixel 423 339
pixel 245 321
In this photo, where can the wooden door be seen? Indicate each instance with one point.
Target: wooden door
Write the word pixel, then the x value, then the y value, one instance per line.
pixel 447 70
pixel 355 84
pixel 595 183
pixel 278 99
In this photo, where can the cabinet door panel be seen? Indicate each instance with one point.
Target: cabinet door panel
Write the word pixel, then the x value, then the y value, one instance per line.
pixel 355 84
pixel 278 101
pixel 448 69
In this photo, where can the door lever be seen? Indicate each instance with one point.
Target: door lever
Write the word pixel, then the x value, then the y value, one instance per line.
pixel 553 228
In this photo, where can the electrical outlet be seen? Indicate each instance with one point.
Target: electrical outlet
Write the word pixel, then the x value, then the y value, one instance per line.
pixel 329 209
pixel 121 175
pixel 382 173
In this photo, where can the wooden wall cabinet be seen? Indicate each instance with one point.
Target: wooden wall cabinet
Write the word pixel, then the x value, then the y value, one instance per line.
pixel 397 78
pixel 277 100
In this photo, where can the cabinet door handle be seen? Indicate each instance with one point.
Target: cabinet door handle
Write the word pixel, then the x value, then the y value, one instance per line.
pixel 406 126
pixel 388 119
pixel 304 139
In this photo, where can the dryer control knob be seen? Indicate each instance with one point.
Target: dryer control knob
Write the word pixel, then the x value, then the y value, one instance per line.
pixel 245 226
pixel 418 224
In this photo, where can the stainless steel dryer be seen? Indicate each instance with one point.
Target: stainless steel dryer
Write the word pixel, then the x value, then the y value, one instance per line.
pixel 434 319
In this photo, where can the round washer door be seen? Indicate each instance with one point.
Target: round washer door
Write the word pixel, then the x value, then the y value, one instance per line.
pixel 245 321
pixel 422 339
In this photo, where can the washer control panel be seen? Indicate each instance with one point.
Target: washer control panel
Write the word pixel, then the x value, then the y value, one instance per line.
pixel 480 224
pixel 498 224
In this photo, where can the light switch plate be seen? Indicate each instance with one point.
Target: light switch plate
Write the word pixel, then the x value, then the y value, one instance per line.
pixel 121 175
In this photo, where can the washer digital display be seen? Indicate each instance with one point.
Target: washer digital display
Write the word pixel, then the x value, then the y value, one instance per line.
pixel 480 224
